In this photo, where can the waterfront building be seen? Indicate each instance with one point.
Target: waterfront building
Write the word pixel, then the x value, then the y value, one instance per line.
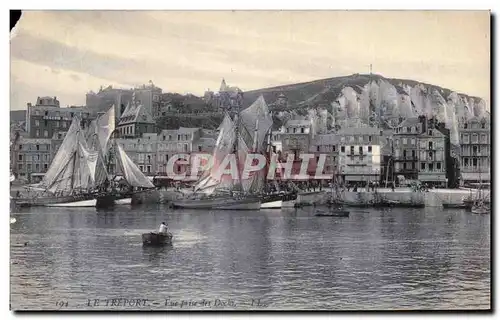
pixel 359 158
pixel 422 151
pixel 179 141
pixel 142 151
pixel 475 150
pixel 135 121
pixel 46 117
pixel 32 157
pixel 406 148
pixel 327 144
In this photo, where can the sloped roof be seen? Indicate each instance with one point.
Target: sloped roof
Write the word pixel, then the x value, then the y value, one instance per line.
pixel 135 113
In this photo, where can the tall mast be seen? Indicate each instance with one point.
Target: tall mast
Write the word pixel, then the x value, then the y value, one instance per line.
pixel 236 144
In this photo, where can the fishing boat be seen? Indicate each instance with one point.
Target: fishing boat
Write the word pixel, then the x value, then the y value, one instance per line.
pixel 237 135
pixel 335 203
pixel 332 213
pixel 75 177
pixel 157 239
pixel 481 202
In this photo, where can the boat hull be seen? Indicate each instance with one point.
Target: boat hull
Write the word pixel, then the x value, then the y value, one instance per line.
pixel 272 205
pixel 156 239
pixel 83 203
pixel 218 204
pixel 123 201
pixel 277 201
pixel 333 213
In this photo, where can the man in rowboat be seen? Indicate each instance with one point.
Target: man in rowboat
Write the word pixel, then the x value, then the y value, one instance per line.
pixel 163 228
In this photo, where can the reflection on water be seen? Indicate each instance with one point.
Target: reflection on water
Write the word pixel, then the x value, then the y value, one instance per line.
pixel 391 259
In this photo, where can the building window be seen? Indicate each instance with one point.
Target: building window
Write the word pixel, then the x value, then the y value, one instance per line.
pixel 352 150
pixel 422 166
pixel 141 168
pixel 149 169
pixel 333 148
pixel 369 138
pixel 474 162
pixel 20 157
pixel 465 125
pixel 37 147
pixel 466 138
pixel 483 138
pixel 317 148
pixel 404 141
pixel 408 130
pixel 37 167
pixel 185 147
pixel 438 165
pixel 430 155
pixel 20 147
pixel 46 113
pixel 404 165
pixel 199 148
pixel 466 162
pixel 397 142
pixel 178 137
pixel 149 159
pixel 360 150
pixel 45 133
pixel 413 165
pixel 431 167
pixel 28 167
pixel 404 154
pixel 483 125
pixel 413 154
pixel 342 149
pixel 294 130
pixel 430 145
pixel 412 142
pixel 369 148
pixel 37 133
pixel 474 138
pixel 430 132
pixel 20 166
pixel 37 123
pixel 301 130
pixel 45 166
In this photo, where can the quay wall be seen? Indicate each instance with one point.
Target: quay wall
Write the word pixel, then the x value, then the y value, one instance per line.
pixel 432 198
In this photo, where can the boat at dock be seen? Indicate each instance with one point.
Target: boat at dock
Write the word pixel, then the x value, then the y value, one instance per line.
pixel 157 239
pixel 75 177
pixel 240 134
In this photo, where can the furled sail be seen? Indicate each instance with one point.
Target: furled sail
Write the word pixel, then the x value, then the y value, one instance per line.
pixel 132 174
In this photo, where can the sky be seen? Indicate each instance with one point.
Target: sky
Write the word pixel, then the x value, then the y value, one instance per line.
pixel 68 53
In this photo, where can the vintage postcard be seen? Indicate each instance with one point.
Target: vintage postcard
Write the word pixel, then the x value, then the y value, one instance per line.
pixel 250 160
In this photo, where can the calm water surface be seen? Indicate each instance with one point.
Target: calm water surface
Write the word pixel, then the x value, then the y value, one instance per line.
pixel 290 260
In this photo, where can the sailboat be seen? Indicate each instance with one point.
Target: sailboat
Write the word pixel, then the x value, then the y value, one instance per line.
pixel 222 192
pixel 71 179
pixel 103 128
pixel 480 205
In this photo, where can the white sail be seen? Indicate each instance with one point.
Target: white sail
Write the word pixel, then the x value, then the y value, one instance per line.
pixel 257 120
pixel 223 147
pixel 105 127
pixel 132 174
pixel 63 156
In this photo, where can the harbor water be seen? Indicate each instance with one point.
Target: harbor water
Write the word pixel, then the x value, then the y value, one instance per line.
pixel 392 259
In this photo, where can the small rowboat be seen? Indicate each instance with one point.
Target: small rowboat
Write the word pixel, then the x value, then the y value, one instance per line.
pixel 156 239
pixel 333 213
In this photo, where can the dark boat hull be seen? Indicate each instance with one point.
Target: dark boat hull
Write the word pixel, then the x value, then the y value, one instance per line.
pixel 156 239
pixel 455 206
pixel 333 213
